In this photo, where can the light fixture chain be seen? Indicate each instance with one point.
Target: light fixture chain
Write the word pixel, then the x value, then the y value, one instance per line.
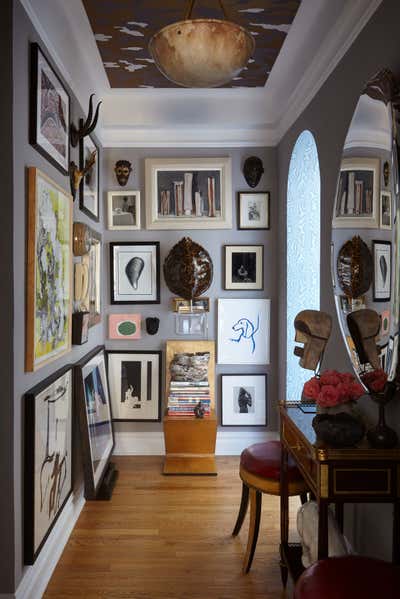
pixel 190 10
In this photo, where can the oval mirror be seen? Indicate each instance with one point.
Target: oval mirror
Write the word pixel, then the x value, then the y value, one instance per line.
pixel 365 236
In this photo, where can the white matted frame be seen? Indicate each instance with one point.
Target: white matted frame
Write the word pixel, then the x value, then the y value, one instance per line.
pixel 243 331
pixel 254 210
pixel 188 193
pixel 123 209
pixel 357 194
pixel 244 400
pixel 244 267
pixel 385 210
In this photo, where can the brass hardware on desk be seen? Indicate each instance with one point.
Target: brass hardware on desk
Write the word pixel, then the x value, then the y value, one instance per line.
pixel 324 481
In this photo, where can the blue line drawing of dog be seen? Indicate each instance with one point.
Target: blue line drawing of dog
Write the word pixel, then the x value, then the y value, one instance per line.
pixel 247 331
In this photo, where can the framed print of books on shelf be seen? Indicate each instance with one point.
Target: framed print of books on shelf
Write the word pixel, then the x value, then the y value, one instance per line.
pixel 93 401
pixel 357 197
pixel 385 209
pixel 254 210
pixel 135 385
pixel 188 193
pixel 89 186
pixel 243 331
pixel 49 112
pixel 48 459
pixel 135 272
pixel 49 271
pixel 244 400
pixel 124 210
pixel 382 253
pixel 244 267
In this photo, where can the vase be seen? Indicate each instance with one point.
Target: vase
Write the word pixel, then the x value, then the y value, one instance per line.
pixel 348 408
pixel 338 426
pixel 382 436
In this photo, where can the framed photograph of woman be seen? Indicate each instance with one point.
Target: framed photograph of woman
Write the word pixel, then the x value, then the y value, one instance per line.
pixel 386 210
pixel 244 267
pixel 244 400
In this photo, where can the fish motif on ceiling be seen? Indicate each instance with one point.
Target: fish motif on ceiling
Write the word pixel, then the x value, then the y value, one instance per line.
pixel 122 30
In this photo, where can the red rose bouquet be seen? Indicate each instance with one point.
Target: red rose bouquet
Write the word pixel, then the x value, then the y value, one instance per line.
pixel 332 388
pixel 375 380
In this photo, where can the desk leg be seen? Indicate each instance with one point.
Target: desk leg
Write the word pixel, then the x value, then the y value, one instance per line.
pixel 284 489
pixel 323 529
pixel 396 532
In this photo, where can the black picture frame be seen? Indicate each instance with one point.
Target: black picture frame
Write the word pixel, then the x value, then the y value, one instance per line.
pixel 150 381
pixel 35 52
pixel 240 198
pixel 379 294
pixel 241 378
pixel 80 328
pixel 92 485
pixel 82 206
pixel 30 423
pixel 257 269
pixel 113 278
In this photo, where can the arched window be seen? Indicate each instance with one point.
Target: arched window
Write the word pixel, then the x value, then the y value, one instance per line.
pixel 303 249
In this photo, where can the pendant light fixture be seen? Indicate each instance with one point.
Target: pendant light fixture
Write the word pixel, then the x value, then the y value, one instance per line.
pixel 201 52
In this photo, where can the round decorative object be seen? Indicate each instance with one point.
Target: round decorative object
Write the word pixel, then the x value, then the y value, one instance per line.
pixel 338 430
pixel 188 269
pixel 127 328
pixel 354 267
pixel 252 170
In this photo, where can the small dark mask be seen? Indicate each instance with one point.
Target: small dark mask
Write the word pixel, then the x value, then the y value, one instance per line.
pixel 123 169
pixel 152 324
pixel 252 170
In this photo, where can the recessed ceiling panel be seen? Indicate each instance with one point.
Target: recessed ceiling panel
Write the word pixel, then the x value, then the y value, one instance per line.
pixel 123 28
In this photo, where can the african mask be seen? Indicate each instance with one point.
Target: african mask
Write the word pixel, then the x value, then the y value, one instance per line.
pixel 364 327
pixel 123 169
pixel 252 170
pixel 188 269
pixel 313 329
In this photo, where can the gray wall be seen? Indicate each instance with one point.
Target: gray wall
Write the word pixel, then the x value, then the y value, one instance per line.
pixel 25 155
pixel 328 117
pixel 213 241
pixel 6 304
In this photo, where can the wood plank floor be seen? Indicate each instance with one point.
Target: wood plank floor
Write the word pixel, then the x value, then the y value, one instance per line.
pixel 169 537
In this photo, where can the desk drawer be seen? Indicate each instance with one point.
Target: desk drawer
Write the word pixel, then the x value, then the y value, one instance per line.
pixel 362 481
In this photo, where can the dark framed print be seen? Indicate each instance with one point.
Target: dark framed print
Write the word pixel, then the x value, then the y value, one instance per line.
pixel 382 253
pixel 49 112
pixel 93 402
pixel 385 210
pixel 244 400
pixel 135 272
pixel 89 185
pixel 135 385
pixel 48 460
pixel 80 328
pixel 244 267
pixel 254 210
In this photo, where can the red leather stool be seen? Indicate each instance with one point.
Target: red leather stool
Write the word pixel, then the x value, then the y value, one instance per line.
pixel 349 577
pixel 260 471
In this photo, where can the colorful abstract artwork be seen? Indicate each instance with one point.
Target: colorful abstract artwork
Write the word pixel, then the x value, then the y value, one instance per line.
pixel 124 326
pixel 49 271
pixel 48 447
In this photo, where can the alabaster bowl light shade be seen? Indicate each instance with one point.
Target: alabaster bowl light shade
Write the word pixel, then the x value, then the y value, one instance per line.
pixel 201 52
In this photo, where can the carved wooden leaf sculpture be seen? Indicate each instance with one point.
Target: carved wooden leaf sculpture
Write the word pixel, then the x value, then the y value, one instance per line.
pixel 188 269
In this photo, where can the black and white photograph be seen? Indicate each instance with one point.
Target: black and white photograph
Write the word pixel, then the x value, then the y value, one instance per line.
pixel 253 210
pixel 135 385
pixel 48 449
pixel 135 272
pixel 123 210
pixel 89 187
pixel 244 267
pixel 244 400
pixel 93 401
pixel 382 251
pixel 386 210
pixel 357 195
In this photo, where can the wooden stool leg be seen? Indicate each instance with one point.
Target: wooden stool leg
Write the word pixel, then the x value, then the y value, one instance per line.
pixel 255 514
pixel 244 502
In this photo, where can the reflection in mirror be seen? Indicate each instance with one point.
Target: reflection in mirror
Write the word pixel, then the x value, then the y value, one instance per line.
pixel 365 245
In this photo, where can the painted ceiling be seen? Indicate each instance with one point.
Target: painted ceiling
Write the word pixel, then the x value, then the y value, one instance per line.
pixel 123 28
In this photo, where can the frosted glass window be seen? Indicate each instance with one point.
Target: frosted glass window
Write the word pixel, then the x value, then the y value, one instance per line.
pixel 303 249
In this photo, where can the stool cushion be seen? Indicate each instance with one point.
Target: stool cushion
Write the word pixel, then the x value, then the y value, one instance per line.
pixel 264 459
pixel 349 577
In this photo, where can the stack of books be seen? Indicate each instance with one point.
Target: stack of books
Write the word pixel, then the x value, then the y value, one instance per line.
pixel 185 395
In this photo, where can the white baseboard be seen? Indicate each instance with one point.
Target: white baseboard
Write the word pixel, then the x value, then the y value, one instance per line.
pixel 152 443
pixel 35 578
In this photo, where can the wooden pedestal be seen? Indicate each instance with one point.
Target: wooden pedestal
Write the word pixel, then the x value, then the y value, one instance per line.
pixel 190 445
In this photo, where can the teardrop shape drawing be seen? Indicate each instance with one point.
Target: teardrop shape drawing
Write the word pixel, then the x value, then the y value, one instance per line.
pixel 133 270
pixel 384 268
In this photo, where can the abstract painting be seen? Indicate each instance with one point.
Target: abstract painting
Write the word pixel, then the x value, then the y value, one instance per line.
pixel 91 389
pixel 188 193
pixel 48 446
pixel 124 326
pixel 49 112
pixel 135 385
pixel 49 270
pixel 244 400
pixel 243 331
pixel 135 272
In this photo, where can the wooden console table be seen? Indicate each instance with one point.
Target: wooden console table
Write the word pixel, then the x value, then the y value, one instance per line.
pixel 353 475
